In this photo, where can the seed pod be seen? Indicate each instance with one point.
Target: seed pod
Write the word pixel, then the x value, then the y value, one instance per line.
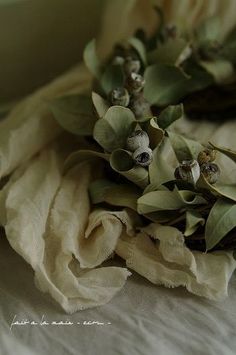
pixel 211 172
pixel 135 83
pixel 137 139
pixel 131 65
pixel 118 60
pixel 143 156
pixel 119 96
pixel 188 170
pixel 206 156
pixel 140 106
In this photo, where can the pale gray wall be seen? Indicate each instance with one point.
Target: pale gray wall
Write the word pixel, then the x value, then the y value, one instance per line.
pixel 41 38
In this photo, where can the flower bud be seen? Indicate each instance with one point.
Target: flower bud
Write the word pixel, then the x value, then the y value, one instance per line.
pixel 131 65
pixel 135 83
pixel 137 139
pixel 143 156
pixel 211 172
pixel 119 96
pixel 206 156
pixel 188 170
pixel 140 106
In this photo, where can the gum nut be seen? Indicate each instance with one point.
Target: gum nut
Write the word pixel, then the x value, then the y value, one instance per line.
pixel 118 60
pixel 207 155
pixel 120 96
pixel 140 106
pixel 135 82
pixel 136 139
pixel 143 156
pixel 131 65
pixel 189 171
pixel 211 172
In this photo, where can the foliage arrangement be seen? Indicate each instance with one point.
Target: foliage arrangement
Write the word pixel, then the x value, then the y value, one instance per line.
pixel 126 123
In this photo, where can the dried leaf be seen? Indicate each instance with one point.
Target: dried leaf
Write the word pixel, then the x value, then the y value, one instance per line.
pixel 193 221
pixel 169 115
pixel 184 148
pixel 91 59
pixel 100 104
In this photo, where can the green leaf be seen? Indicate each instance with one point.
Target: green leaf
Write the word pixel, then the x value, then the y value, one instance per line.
pixel 140 48
pixel 83 155
pixel 221 70
pixel 98 188
pixel 123 196
pixel 155 133
pixel 193 221
pixel 121 161
pixel 159 169
pixel 168 52
pixel 222 190
pixel 184 148
pixel 100 104
pixel 162 216
pixel 168 200
pixel 75 114
pixel 112 78
pixel 111 132
pixel 91 59
pixel 228 50
pixel 208 31
pixel 228 152
pixel 169 115
pixel 165 84
pixel 221 220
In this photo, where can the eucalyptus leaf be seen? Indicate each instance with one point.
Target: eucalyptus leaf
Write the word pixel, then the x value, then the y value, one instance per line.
pixel 228 49
pixel 165 84
pixel 163 216
pixel 155 133
pixel 83 155
pixel 121 161
pixel 221 220
pixel 101 105
pixel 168 52
pixel 91 59
pixel 222 190
pixel 159 170
pixel 112 130
pixel 193 221
pixel 168 200
pixel 140 48
pixel 184 148
pixel 228 152
pixel 98 188
pixel 123 196
pixel 112 78
pixel 208 31
pixel 221 70
pixel 169 115
pixel 75 114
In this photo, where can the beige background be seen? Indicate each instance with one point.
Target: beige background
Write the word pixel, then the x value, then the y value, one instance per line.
pixel 41 38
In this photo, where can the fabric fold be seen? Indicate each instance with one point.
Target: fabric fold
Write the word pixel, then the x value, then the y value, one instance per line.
pixel 159 254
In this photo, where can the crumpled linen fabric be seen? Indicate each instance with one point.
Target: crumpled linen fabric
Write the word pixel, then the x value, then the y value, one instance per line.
pixel 49 221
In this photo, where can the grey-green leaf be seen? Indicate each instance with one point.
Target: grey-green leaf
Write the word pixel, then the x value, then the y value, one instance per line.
pixel 184 148
pixel 228 152
pixel 165 84
pixel 221 220
pixel 75 114
pixel 83 155
pixel 168 200
pixel 91 59
pixel 101 105
pixel 159 170
pixel 222 190
pixel 169 115
pixel 112 78
pixel 193 221
pixel 121 161
pixel 140 48
pixel 112 130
